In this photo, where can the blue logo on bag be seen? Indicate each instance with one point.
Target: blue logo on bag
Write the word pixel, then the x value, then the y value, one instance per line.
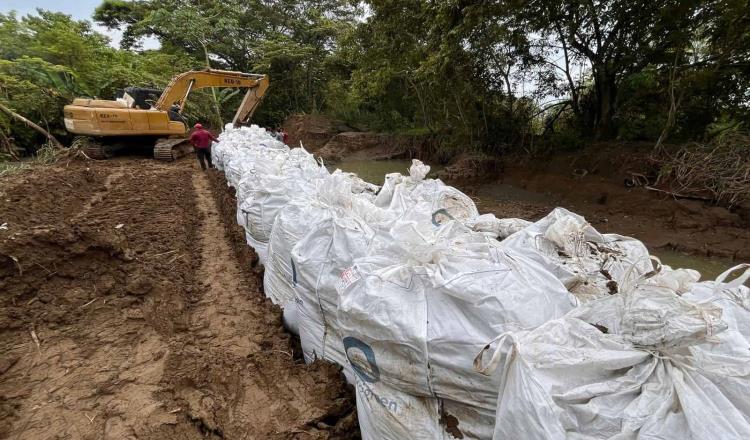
pixel 441 216
pixel 362 359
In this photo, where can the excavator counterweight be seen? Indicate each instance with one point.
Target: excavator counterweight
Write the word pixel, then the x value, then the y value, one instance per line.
pixel 104 123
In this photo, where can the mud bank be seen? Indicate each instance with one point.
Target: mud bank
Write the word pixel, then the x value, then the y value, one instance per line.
pixel 333 141
pixel 597 191
pixel 128 311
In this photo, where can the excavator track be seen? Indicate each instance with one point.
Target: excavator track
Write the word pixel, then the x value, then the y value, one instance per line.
pixel 171 149
pixel 93 149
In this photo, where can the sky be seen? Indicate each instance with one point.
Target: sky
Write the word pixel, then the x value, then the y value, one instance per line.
pixel 79 9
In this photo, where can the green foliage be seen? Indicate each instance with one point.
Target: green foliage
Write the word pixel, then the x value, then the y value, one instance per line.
pixel 489 76
pixel 293 42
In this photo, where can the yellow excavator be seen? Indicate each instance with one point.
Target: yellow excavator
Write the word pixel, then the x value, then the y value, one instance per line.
pixel 104 127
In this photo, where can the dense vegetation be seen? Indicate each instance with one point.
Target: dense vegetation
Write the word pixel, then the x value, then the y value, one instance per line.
pixel 488 75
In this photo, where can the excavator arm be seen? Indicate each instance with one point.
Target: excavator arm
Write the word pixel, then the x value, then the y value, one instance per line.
pixel 250 102
pixel 178 90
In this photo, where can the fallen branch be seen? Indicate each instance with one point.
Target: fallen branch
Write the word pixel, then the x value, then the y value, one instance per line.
pixel 55 143
pixel 678 196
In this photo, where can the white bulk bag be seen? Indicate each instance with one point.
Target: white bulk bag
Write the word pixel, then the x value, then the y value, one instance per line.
pixel 291 224
pixel 319 258
pixel 426 314
pixel 642 364
pixel 590 264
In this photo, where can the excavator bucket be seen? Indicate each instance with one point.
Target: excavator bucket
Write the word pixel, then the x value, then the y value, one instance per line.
pixel 250 102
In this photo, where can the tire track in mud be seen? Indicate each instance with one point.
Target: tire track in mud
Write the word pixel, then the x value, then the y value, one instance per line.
pixel 223 308
pixel 235 374
pixel 156 329
pixel 98 196
pixel 94 367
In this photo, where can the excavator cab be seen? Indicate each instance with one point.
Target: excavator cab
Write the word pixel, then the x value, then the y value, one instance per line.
pixel 141 97
pixel 104 127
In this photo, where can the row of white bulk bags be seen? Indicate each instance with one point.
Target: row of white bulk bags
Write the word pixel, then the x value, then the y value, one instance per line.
pixel 424 294
pixel 646 363
pixel 329 248
pixel 318 261
pixel 424 316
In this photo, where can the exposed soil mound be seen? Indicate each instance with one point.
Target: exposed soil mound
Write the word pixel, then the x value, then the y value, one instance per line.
pixel 471 168
pixel 333 140
pixel 313 131
pixel 355 144
pixel 126 314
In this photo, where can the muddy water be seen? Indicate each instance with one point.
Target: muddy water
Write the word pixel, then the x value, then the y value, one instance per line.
pixel 709 268
pixel 374 171
pixel 507 192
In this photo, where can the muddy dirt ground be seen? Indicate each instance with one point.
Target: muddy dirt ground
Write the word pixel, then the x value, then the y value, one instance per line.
pixel 130 309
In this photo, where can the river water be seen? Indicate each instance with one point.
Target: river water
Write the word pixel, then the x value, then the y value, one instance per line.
pixel 374 171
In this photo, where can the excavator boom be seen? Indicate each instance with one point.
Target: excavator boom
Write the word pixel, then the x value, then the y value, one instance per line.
pixel 181 85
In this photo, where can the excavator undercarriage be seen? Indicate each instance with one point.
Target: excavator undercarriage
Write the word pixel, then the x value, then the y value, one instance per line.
pixel 166 149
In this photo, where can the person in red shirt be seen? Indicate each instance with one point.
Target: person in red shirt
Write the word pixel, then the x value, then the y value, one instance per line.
pixel 201 140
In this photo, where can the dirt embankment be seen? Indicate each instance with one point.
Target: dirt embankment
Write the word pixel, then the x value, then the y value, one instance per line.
pixel 333 140
pixel 592 183
pixel 126 312
pixel 314 131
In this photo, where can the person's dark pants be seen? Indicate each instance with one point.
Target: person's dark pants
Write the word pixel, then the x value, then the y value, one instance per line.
pixel 204 155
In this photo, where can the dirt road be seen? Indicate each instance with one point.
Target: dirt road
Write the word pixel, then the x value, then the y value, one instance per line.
pixel 129 310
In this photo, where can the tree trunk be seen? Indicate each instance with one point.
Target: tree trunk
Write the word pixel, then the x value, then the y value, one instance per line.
pixel 213 89
pixel 674 103
pixel 55 143
pixel 8 145
pixel 571 84
pixel 606 93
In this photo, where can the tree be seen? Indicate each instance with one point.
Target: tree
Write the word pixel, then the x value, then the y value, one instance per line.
pixel 289 40
pixel 615 37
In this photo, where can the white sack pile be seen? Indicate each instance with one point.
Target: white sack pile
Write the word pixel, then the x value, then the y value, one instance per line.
pixel 410 289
